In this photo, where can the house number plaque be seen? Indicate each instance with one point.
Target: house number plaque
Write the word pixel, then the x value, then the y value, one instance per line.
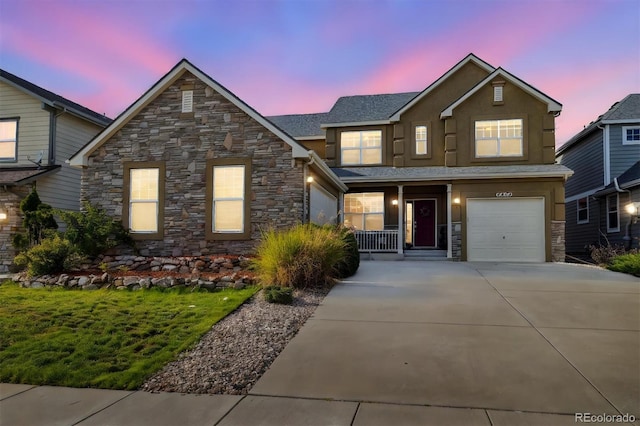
pixel 504 194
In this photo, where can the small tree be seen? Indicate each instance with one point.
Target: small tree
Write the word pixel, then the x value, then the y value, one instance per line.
pixel 38 219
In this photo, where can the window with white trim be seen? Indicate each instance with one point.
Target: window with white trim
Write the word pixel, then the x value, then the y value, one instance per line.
pixel 421 140
pixel 499 138
pixel 144 200
pixel 361 147
pixel 582 208
pixel 228 199
pixel 364 211
pixel 631 135
pixel 187 101
pixel 8 140
pixel 613 213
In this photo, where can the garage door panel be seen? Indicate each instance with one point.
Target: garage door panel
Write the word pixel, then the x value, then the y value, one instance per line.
pixel 506 230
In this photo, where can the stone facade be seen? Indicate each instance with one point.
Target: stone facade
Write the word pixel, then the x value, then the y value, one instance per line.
pixel 217 129
pixel 557 240
pixel 456 240
pixel 10 203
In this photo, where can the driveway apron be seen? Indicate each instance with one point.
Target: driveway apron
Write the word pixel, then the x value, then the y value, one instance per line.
pixel 545 339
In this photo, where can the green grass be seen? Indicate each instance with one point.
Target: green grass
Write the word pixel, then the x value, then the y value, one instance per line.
pixel 101 338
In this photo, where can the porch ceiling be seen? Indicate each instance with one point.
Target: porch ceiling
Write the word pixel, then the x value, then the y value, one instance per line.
pixel 414 174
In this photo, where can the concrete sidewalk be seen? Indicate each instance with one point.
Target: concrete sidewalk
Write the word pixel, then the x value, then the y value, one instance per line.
pixel 415 343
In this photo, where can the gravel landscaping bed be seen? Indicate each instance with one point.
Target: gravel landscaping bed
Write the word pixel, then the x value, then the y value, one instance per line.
pixel 234 354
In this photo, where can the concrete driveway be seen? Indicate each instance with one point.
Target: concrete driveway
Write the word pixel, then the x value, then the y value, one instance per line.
pixel 461 343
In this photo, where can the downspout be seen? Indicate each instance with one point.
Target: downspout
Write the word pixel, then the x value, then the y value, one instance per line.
pixel 627 235
pixel 449 226
pixel 605 154
pixel 305 200
pixel 53 125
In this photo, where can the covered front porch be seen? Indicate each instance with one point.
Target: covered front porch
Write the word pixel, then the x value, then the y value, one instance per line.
pixel 409 220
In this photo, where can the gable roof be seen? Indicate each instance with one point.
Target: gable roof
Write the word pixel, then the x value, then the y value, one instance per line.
pixel 625 111
pixel 23 175
pixel 81 157
pixel 53 100
pixel 470 58
pixel 366 109
pixel 627 180
pixel 301 126
pixel 552 105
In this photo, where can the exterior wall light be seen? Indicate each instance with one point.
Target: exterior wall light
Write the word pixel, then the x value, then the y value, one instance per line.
pixel 632 208
pixel 3 216
pixel 394 202
pixel 310 179
pixel 456 200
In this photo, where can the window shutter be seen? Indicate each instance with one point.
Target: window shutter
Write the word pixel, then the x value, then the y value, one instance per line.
pixel 187 101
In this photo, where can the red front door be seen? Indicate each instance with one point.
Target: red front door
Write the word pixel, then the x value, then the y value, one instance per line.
pixel 424 217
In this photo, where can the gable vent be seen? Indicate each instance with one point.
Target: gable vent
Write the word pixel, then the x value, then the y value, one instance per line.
pixel 187 101
pixel 497 94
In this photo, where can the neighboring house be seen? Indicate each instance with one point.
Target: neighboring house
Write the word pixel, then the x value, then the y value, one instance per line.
pixel 600 196
pixel 193 170
pixel 466 166
pixel 39 130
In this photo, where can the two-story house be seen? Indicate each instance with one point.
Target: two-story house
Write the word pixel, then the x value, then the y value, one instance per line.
pixel 192 170
pixel 39 130
pixel 467 165
pixel 603 196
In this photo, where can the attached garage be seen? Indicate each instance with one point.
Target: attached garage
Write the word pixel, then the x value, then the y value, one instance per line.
pixel 509 229
pixel 323 206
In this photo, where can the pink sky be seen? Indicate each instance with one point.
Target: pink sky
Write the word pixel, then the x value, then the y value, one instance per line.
pixel 284 57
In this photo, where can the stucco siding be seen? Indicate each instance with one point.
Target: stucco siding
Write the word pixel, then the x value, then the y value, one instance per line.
pixel 586 161
pixel 621 156
pixel 33 124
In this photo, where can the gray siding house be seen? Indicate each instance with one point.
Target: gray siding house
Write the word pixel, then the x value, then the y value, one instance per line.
pixel 39 130
pixel 603 195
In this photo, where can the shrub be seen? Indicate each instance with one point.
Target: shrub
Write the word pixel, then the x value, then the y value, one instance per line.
pixel 38 219
pixel 305 255
pixel 92 231
pixel 53 254
pixel 351 262
pixel 604 255
pixel 627 263
pixel 276 294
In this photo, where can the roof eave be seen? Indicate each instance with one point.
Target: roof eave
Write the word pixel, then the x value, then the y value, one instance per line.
pixel 518 175
pixel 317 161
pixel 356 123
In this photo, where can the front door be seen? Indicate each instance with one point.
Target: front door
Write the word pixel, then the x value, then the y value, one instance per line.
pixel 424 223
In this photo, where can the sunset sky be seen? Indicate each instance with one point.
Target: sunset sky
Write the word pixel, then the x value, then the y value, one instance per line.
pixel 299 56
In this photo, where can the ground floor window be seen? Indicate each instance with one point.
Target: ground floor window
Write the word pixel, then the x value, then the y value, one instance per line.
pixel 613 216
pixel 227 199
pixel 364 211
pixel 582 205
pixel 144 195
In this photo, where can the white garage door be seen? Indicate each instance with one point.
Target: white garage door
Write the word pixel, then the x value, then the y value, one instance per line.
pixel 323 206
pixel 509 230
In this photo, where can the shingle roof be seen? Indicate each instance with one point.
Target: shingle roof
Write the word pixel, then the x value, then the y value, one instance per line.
pixel 393 174
pixel 23 175
pixel 625 110
pixel 300 125
pixel 55 99
pixel 363 108
pixel 628 179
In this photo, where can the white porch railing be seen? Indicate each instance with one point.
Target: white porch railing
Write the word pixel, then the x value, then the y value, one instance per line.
pixel 377 241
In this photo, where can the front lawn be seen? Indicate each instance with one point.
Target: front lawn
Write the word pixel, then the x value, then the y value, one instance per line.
pixel 101 338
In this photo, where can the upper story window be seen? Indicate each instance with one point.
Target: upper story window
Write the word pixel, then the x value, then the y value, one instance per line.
pixel 499 138
pixel 8 140
pixel 187 101
pixel 613 216
pixel 582 207
pixel 631 135
pixel 361 147
pixel 421 140
pixel 364 211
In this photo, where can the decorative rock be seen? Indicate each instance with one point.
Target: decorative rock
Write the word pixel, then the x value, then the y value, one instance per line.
pixel 82 281
pixel 129 281
pixel 145 283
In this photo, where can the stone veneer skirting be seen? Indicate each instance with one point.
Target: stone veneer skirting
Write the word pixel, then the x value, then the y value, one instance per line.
pixel 196 272
pixel 557 240
pixel 10 204
pixel 456 240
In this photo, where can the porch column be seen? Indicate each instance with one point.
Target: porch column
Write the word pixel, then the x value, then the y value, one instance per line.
pixel 400 221
pixel 449 230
